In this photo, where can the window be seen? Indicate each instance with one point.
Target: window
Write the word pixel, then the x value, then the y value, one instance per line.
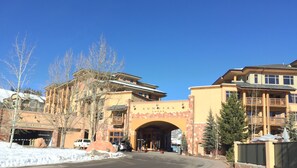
pixel 293 98
pixel 115 136
pixel 256 78
pixel 229 93
pixel 271 79
pixel 288 80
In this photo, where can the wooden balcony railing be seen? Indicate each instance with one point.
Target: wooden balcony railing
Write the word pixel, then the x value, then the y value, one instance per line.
pixel 277 102
pixel 255 120
pixel 116 120
pixel 274 121
pixel 277 121
pixel 254 101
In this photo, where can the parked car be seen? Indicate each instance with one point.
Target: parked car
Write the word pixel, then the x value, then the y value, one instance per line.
pixel 125 146
pixel 81 143
pixel 116 146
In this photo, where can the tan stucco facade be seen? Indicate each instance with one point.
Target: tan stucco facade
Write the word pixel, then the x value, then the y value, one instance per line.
pixel 136 107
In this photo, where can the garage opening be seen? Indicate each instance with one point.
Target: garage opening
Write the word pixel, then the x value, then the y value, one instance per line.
pixel 155 136
pixel 26 137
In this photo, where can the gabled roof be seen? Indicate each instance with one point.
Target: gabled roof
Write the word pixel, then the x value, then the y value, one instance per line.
pixel 273 66
pixel 7 93
pixel 290 67
pixel 294 63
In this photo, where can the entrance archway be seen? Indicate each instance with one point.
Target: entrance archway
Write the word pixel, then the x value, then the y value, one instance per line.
pixel 155 135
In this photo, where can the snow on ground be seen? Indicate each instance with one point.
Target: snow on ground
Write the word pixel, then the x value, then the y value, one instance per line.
pixel 24 156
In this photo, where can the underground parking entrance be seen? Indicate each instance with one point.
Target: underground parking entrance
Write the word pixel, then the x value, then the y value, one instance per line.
pixel 157 135
pixel 26 137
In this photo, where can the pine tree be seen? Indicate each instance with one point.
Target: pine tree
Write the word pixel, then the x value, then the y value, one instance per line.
pixel 232 122
pixel 210 134
pixel 290 125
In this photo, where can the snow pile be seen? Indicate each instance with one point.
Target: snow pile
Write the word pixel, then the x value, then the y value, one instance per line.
pixel 23 156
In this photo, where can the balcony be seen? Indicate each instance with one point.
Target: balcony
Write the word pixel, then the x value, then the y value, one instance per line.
pixel 254 101
pixel 117 120
pixel 277 121
pixel 277 102
pixel 255 120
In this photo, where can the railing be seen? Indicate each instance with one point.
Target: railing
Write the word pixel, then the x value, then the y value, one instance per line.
pixel 254 101
pixel 277 121
pixel 278 102
pixel 117 120
pixel 255 120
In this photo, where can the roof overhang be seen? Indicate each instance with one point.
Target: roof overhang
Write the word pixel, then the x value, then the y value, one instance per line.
pixel 118 108
pixel 244 85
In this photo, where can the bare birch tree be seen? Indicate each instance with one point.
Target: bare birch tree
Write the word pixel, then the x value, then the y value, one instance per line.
pixel 19 68
pixel 100 64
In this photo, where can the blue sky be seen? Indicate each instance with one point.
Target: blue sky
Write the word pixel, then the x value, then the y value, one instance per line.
pixel 174 44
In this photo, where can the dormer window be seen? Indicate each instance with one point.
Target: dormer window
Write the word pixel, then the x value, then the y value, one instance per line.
pixel 288 80
pixel 271 79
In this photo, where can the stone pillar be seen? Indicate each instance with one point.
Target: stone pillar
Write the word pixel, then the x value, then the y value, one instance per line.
pixel 133 139
pixel 269 149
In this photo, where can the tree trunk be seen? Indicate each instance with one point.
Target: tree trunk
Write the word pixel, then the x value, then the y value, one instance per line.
pixel 63 136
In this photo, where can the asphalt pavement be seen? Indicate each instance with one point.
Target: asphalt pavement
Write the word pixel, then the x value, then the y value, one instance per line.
pixel 145 160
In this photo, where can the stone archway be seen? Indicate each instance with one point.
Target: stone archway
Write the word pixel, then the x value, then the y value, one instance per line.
pixel 165 124
pixel 168 115
pixel 155 135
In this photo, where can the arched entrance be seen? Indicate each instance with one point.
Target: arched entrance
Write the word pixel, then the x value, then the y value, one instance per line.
pixel 155 135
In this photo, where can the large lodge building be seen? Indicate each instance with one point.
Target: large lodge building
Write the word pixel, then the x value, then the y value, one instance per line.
pixel 134 109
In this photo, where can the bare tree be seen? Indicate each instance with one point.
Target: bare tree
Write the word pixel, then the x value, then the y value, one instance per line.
pixel 63 115
pixel 19 68
pixel 99 67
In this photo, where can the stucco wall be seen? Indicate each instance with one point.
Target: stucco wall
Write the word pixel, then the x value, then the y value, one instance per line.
pixel 209 98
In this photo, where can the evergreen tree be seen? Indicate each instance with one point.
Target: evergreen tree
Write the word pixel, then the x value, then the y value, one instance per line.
pixel 232 122
pixel 210 134
pixel 290 125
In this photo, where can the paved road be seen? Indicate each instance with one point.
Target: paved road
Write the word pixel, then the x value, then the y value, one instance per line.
pixel 145 160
